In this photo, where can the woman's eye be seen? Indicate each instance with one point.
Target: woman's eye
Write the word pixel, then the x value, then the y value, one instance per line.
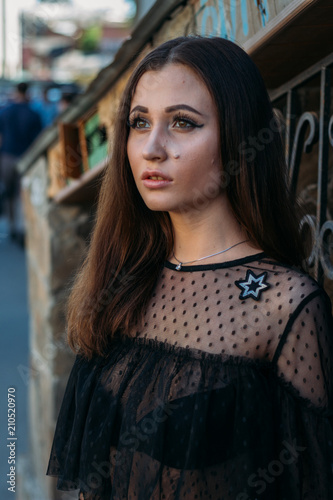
pixel 141 124
pixel 183 124
pixel 138 123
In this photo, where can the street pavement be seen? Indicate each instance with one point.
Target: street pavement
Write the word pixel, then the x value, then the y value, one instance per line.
pixel 14 352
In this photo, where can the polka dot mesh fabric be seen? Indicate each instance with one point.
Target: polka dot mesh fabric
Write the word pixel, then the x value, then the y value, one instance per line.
pixel 224 393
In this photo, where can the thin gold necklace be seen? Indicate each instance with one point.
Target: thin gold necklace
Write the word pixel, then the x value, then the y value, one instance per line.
pixel 179 266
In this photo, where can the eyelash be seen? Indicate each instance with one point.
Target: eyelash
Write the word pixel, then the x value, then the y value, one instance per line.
pixel 179 117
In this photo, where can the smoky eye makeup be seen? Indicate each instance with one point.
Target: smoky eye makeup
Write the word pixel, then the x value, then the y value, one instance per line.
pixel 134 120
pixel 188 121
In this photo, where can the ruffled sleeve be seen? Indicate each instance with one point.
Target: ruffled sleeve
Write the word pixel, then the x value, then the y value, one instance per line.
pixel 304 369
pixel 72 420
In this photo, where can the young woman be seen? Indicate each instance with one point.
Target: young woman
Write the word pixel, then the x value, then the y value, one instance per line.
pixel 204 350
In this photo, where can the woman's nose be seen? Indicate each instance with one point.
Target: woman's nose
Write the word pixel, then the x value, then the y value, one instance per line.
pixel 155 146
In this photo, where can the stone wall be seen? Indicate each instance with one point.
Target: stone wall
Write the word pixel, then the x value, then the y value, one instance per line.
pixel 57 237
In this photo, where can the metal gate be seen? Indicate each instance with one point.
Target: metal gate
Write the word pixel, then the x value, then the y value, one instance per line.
pixel 305 106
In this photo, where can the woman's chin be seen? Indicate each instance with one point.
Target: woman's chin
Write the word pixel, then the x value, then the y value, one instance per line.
pixel 159 207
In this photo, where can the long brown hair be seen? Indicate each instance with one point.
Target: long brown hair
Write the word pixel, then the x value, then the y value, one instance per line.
pixel 130 242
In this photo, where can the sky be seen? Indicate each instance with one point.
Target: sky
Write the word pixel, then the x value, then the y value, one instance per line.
pixel 118 10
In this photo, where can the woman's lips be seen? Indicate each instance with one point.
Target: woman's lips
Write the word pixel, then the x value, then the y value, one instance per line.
pixel 156 182
pixel 155 179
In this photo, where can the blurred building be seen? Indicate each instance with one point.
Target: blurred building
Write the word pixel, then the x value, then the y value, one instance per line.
pixel 291 42
pixel 64 43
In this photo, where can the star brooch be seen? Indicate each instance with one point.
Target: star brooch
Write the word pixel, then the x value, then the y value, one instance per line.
pixel 252 285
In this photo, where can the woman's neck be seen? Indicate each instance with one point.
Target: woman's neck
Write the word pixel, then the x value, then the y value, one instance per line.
pixel 199 233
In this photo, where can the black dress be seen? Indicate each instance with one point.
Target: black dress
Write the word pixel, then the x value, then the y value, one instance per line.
pixel 226 393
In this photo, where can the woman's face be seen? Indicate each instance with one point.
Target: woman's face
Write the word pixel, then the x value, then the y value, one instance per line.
pixel 173 144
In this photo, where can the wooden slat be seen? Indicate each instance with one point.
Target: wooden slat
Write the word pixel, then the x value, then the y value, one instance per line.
pixel 70 148
pixel 84 189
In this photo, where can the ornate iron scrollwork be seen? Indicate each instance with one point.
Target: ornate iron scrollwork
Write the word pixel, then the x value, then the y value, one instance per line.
pixel 326 248
pixel 310 222
pixel 302 143
pixel 330 131
pixel 311 128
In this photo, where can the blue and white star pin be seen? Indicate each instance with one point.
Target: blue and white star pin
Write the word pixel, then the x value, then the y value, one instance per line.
pixel 252 285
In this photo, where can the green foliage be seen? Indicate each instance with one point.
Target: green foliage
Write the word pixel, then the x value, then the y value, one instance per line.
pixel 90 38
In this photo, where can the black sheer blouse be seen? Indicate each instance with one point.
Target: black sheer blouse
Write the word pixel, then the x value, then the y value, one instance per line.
pixel 226 393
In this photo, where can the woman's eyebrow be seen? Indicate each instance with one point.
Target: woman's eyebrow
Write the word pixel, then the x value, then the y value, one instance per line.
pixel 169 109
pixel 139 108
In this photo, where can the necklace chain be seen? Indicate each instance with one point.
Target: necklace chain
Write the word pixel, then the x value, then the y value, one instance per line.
pixel 179 266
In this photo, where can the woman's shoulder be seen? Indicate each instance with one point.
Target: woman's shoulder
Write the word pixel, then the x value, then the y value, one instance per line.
pixel 287 299
pixel 286 279
pixel 290 285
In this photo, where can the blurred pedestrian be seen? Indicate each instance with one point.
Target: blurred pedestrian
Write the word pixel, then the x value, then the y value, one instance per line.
pixel 66 100
pixel 47 109
pixel 19 127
